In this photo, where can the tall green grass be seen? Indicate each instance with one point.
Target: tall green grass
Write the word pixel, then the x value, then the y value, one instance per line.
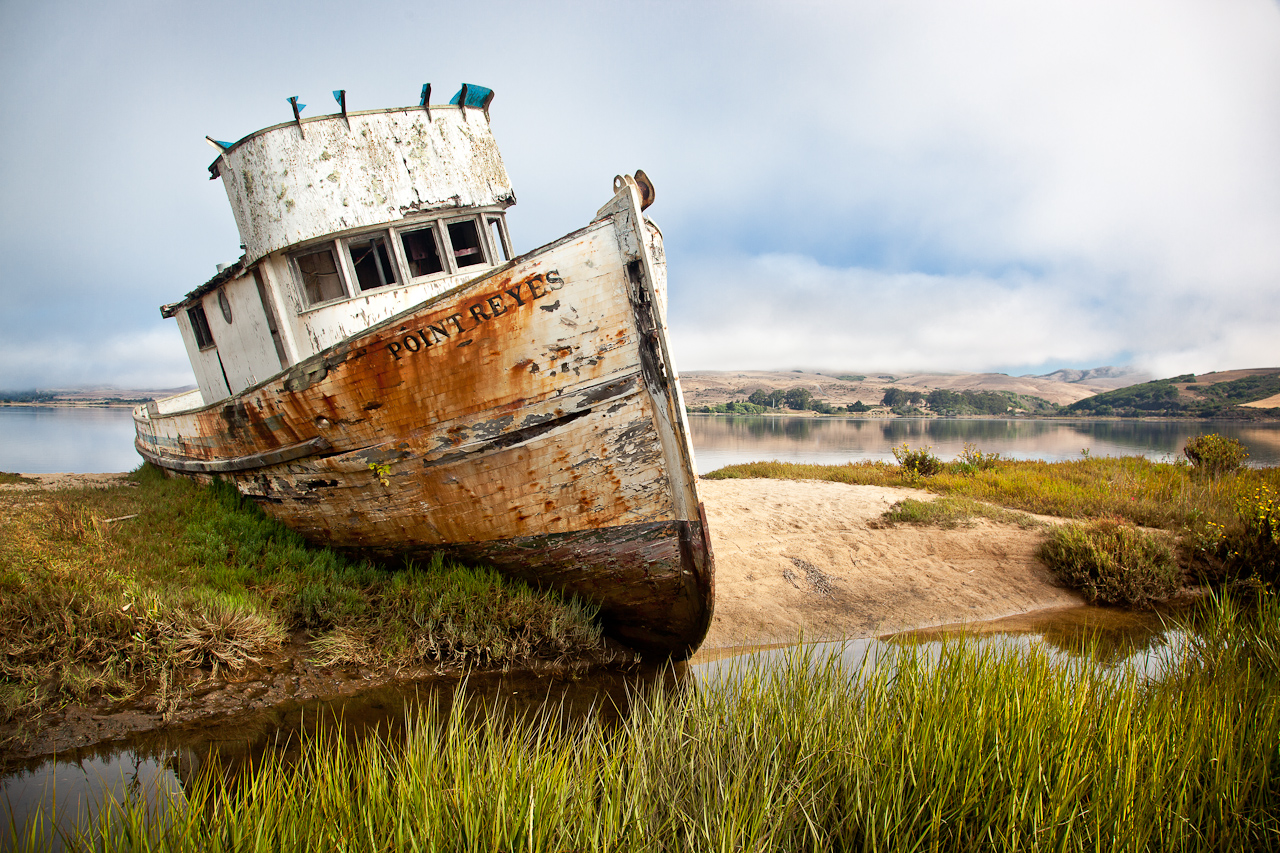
pixel 109 592
pixel 967 747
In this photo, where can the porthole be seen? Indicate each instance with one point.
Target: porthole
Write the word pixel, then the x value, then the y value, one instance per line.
pixel 225 305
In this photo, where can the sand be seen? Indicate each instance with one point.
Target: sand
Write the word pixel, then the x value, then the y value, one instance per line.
pixel 68 481
pixel 805 557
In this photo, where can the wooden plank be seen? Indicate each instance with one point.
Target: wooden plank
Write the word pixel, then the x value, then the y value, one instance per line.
pixel 319 444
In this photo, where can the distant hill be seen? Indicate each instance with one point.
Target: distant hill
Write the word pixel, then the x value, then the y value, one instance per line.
pixel 101 396
pixel 1229 393
pixel 1063 387
pixel 1096 377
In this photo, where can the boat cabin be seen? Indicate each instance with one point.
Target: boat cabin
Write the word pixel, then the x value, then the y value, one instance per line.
pixel 345 220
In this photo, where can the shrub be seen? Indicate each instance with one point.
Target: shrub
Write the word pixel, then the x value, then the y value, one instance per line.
pixel 917 463
pixel 1251 547
pixel 1215 455
pixel 1112 562
pixel 973 460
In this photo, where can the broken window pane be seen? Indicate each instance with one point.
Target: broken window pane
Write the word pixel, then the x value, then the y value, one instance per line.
pixel 372 262
pixel 320 279
pixel 200 326
pixel 465 238
pixel 500 245
pixel 420 249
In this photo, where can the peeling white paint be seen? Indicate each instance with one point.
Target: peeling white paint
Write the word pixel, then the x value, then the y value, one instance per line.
pixel 286 188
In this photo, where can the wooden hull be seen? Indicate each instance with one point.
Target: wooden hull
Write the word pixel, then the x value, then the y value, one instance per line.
pixel 530 419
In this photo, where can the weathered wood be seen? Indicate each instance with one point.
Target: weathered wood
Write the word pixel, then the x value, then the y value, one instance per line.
pixel 262 459
pixel 379 166
pixel 530 418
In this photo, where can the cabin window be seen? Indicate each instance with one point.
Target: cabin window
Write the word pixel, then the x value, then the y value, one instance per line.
pixel 371 261
pixel 421 251
pixel 465 238
pixel 321 281
pixel 499 239
pixel 200 326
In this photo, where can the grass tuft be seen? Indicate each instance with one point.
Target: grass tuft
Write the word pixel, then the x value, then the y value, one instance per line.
pixel 917 463
pixel 949 513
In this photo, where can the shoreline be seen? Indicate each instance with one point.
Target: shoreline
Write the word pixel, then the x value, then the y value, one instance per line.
pixel 76 404
pixel 1263 416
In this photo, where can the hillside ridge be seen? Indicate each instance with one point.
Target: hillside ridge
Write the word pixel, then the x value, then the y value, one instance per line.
pixel 1062 387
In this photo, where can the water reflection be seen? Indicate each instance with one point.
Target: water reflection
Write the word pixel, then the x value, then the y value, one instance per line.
pixel 1115 639
pixel 80 440
pixel 69 792
pixel 1108 636
pixel 66 791
pixel 720 440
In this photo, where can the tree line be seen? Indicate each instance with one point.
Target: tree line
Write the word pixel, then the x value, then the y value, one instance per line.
pixel 898 400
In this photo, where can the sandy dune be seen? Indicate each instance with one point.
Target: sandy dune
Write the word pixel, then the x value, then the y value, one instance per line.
pixel 807 556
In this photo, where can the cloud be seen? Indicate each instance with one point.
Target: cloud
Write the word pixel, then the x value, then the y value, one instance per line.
pixel 153 359
pixel 918 183
pixel 779 311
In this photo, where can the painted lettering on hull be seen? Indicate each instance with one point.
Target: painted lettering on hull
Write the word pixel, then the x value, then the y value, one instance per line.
pixel 472 316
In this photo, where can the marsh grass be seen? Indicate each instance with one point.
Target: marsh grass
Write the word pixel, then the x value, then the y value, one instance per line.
pixel 107 592
pixel 948 513
pixel 7 479
pixel 957 746
pixel 1112 562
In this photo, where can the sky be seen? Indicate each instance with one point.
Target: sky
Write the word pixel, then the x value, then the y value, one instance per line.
pixel 906 185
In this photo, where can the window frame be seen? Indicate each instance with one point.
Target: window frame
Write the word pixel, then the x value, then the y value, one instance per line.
pixel 438 221
pixel 477 218
pixel 344 276
pixel 195 327
pixel 349 263
pixel 442 251
pixel 504 249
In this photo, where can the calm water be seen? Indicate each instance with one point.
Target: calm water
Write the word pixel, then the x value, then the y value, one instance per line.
pixel 49 439
pixel 721 440
pixel 45 439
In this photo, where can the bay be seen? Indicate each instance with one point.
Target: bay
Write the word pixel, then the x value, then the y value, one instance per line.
pixel 720 440
pixel 90 440
pixel 70 439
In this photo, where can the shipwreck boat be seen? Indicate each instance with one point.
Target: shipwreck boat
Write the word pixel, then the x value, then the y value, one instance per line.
pixel 380 373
